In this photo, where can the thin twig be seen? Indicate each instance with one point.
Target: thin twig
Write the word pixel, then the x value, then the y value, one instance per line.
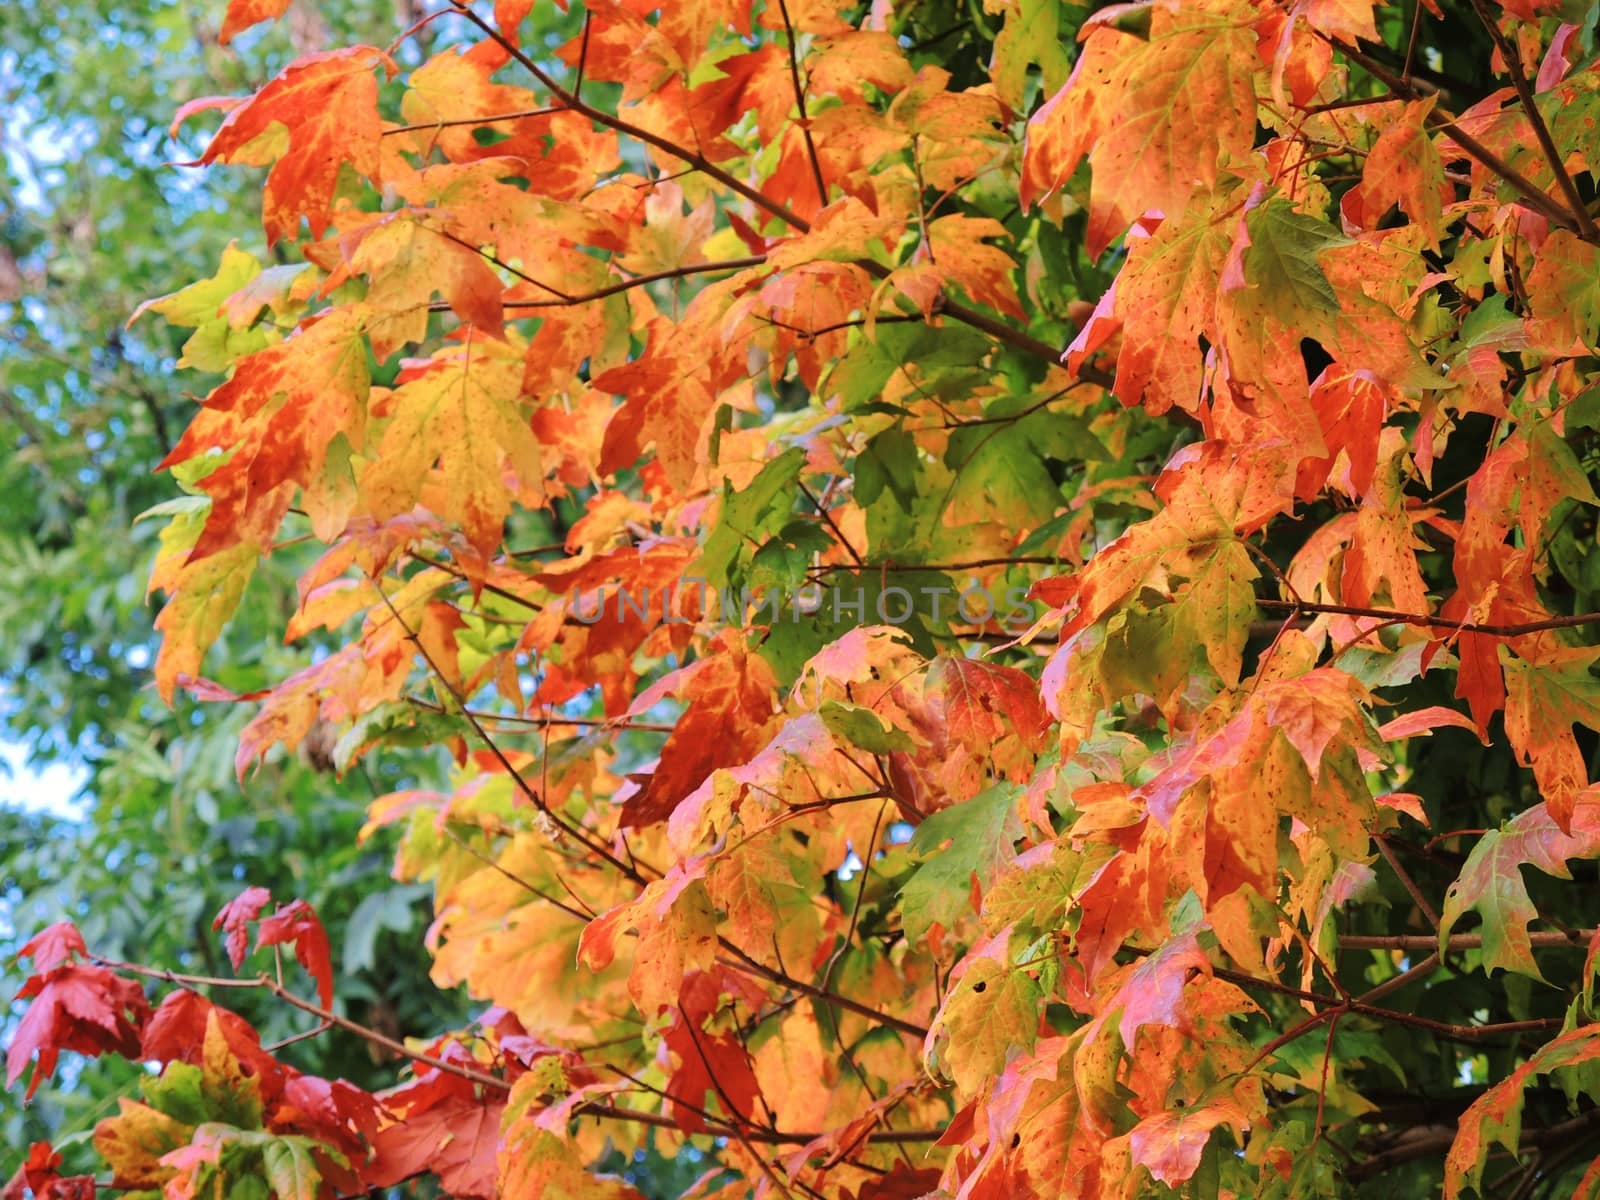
pixel 800 103
pixel 1410 884
pixel 489 120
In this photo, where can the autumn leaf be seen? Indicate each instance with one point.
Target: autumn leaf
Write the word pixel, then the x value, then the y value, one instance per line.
pixel 456 435
pixel 1491 882
pixel 988 1015
pixel 1496 1116
pixel 73 1006
pixel 727 716
pixel 235 919
pixel 1169 1145
pixel 319 114
pixel 966 842
pixel 445 1132
pixel 244 13
pixel 296 925
pixel 1159 119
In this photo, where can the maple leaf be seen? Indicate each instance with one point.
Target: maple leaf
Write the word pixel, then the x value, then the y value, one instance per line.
pixel 293 924
pixel 54 946
pixel 988 1015
pixel 407 259
pixel 535 1163
pixel 181 1030
pixel 676 937
pixel 136 1140
pixel 1403 167
pixel 38 1174
pixel 956 244
pixel 201 597
pixel 327 104
pixel 235 919
pixel 669 402
pixel 1496 1116
pixel 460 413
pixel 1169 1145
pixel 1165 299
pixel 709 1064
pixel 1158 118
pixel 244 13
pixel 222 328
pixel 73 1006
pixel 443 1131
pixel 727 717
pixel 282 417
pixel 1153 991
pixel 1491 883
pixel 1544 699
pixel 966 842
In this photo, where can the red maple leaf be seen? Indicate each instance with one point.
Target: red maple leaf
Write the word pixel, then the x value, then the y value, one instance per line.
pixel 76 1006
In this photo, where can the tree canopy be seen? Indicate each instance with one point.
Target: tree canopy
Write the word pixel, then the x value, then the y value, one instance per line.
pixel 947 600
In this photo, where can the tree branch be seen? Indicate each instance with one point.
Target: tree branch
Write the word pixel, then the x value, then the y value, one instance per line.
pixel 1456 941
pixel 1541 131
pixel 1532 195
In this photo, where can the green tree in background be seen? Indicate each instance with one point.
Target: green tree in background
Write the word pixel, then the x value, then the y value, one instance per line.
pixel 94 219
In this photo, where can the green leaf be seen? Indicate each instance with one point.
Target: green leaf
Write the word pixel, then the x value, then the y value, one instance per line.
pixel 973 838
pixel 1282 258
pixel 861 727
pixel 936 353
pixel 750 517
pixel 177 1093
pixel 291 1170
pixel 1000 467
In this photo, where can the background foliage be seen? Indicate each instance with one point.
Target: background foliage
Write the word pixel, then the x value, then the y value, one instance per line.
pixel 94 220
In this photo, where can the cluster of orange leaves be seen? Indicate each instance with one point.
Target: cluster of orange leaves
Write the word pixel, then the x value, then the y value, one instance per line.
pixel 1054 998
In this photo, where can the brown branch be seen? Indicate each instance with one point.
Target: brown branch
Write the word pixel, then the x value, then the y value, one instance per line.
pixel 738 1126
pixel 1489 629
pixel 970 564
pixel 698 161
pixel 730 264
pixel 999 330
pixel 1426 967
pixel 1532 195
pixel 759 1136
pixel 499 262
pixel 1461 1033
pixel 1519 80
pixel 1410 884
pixel 536 798
pixel 1456 941
pixel 329 1018
pixel 1437 1141
pixel 584 913
pixel 451 569
pixel 550 722
pixel 827 518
